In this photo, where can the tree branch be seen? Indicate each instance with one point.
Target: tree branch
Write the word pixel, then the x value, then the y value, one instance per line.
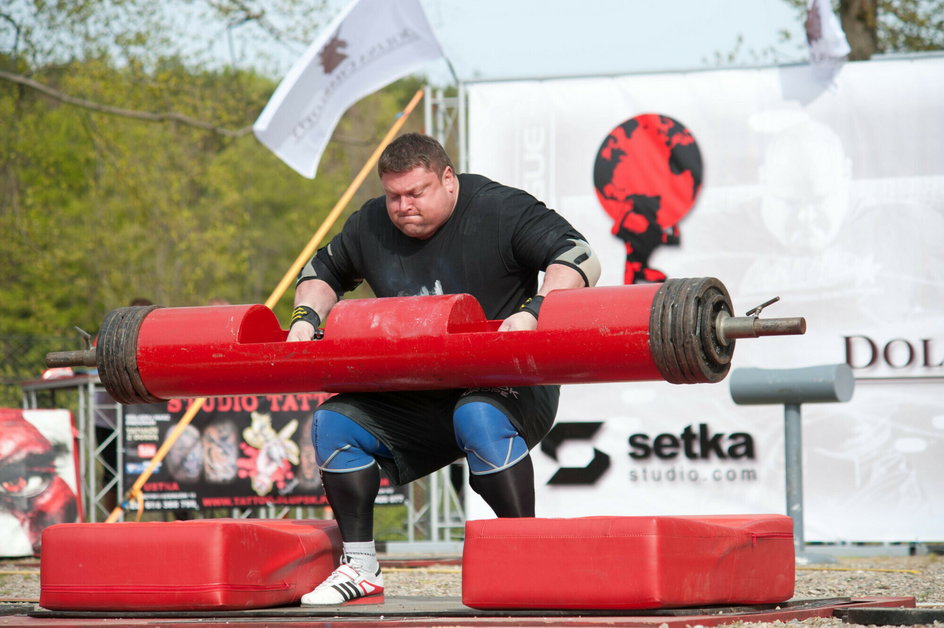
pixel 119 111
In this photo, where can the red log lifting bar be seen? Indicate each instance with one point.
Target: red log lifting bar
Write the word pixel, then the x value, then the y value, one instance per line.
pixel 681 331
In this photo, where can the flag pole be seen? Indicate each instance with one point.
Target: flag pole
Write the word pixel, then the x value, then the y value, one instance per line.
pixel 134 493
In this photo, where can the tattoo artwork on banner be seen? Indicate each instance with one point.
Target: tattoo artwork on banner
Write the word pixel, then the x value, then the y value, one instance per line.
pixel 237 452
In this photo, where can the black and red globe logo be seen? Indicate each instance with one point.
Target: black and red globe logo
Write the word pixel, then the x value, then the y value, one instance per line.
pixel 647 175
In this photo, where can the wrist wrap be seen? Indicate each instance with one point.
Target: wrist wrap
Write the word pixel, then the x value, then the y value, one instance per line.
pixel 305 313
pixel 532 306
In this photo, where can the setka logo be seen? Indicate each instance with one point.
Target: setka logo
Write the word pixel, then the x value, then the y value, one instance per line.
pixel 575 475
pixel 694 444
pixel 331 55
pixel 647 175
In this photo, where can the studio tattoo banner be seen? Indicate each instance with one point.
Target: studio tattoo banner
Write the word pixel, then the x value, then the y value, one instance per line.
pixel 237 452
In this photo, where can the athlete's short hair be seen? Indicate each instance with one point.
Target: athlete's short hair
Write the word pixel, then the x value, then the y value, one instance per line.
pixel 411 150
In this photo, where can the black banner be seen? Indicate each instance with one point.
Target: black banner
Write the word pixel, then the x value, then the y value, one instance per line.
pixel 237 452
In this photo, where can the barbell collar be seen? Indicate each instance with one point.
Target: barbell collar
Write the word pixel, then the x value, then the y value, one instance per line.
pixel 731 327
pixel 59 359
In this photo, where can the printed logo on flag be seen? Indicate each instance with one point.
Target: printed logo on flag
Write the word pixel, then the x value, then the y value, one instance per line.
pixel 331 55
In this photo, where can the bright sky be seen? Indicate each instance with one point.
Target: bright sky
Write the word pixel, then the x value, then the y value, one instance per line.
pixel 489 39
pixel 495 39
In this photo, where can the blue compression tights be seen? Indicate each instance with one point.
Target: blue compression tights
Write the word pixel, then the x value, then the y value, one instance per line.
pixel 341 445
pixel 501 470
pixel 488 438
pixel 482 431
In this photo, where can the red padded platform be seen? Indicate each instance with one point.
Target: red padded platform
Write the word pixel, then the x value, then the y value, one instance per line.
pixel 627 562
pixel 185 565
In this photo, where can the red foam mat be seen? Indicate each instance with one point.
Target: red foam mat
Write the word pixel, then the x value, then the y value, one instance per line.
pixel 185 565
pixel 627 562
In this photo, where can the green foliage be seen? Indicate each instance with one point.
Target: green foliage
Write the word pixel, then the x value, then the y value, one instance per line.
pixel 901 25
pixel 911 25
pixel 391 523
pixel 97 209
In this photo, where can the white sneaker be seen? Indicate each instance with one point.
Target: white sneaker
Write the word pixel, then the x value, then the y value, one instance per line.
pixel 345 584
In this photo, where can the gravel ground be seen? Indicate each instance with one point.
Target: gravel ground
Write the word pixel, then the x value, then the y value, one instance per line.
pixel 921 577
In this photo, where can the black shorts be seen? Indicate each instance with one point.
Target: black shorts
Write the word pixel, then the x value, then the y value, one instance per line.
pixel 417 425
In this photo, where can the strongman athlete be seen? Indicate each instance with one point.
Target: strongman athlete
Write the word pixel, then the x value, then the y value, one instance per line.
pixel 434 232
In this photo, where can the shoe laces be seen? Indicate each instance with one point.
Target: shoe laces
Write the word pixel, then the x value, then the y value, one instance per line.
pixel 357 566
pixel 340 576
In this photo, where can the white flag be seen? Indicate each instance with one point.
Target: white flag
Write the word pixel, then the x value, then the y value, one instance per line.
pixel 370 44
pixel 824 33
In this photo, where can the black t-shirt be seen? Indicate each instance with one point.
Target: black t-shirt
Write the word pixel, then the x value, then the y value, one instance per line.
pixel 492 247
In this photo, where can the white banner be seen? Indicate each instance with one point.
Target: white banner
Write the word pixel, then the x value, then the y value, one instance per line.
pixel 368 45
pixel 827 194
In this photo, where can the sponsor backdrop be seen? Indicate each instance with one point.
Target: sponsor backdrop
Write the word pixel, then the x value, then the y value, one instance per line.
pixel 822 188
pixel 38 477
pixel 238 452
